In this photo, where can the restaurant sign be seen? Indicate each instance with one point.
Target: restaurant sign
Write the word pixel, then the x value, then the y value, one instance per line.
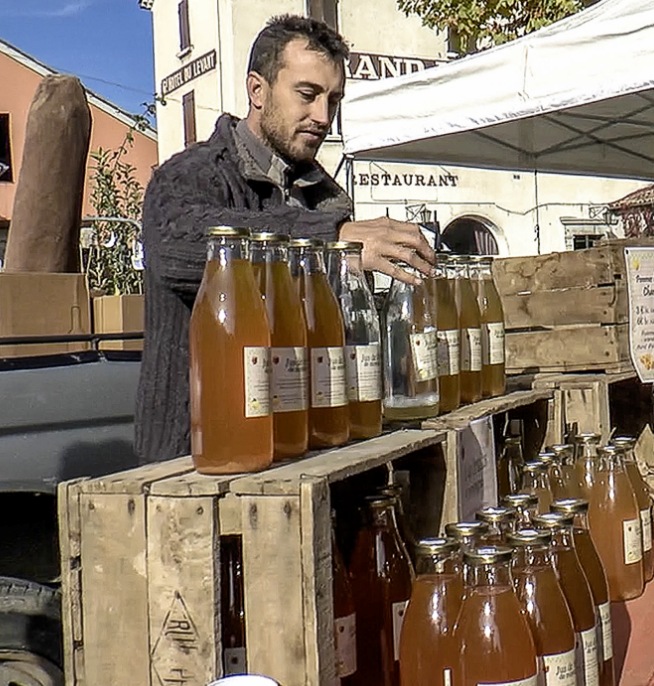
pixel 203 64
pixel 368 66
pixel 640 284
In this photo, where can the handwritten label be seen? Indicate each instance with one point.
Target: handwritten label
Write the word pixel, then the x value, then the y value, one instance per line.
pixel 363 372
pixel 328 377
pixel 449 352
pixel 633 541
pixel 640 286
pixel 560 670
pixel 290 377
pixel 256 366
pixel 424 347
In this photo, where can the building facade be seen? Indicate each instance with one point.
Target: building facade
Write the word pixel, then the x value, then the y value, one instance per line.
pixel 20 76
pixel 201 54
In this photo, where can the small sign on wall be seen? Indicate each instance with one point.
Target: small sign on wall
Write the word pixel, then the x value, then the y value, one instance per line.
pixel 640 284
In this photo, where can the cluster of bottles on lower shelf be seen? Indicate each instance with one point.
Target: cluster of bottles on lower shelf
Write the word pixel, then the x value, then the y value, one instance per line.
pixel 287 352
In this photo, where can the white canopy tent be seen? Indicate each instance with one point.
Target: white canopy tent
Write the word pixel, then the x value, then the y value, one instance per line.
pixel 576 96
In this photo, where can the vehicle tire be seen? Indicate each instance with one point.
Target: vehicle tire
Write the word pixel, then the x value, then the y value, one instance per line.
pixel 30 634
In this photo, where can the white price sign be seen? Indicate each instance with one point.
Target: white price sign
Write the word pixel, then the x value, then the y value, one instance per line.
pixel 640 284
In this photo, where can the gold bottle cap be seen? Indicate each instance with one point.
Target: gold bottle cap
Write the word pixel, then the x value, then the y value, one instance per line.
pixel 436 546
pixel 629 442
pixel 562 449
pixel 349 246
pixel 547 457
pixel 516 500
pixel 528 537
pixel 588 438
pixel 569 506
pixel 314 243
pixel 492 515
pixel 461 530
pixel 487 555
pixel 534 467
pixel 228 232
pixel 553 520
pixel 270 237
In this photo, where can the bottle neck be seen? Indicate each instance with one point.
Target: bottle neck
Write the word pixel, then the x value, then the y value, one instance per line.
pixel 224 249
pixel 262 253
pixel 586 450
pixel 581 520
pixel 562 539
pixel 437 563
pixel 496 575
pixel 532 556
pixel 306 261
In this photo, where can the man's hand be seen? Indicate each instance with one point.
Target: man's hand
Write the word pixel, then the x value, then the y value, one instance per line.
pixel 386 239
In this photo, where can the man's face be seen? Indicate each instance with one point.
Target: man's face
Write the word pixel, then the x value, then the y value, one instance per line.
pixel 299 106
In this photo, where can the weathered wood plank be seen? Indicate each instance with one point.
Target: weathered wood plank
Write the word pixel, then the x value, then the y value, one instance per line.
pixel 183 591
pixel 571 349
pixel 565 306
pixel 336 465
pixel 115 589
pixel 451 494
pixel 192 484
pixel 274 602
pixel 229 514
pixel 554 380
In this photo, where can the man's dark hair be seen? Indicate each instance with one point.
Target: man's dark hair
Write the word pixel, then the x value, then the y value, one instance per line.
pixel 266 54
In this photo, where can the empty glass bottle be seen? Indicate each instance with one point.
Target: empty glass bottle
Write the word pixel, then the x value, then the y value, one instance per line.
pixel 501 522
pixel 535 480
pixel 381 576
pixel 410 353
pixel 426 638
pixel 626 444
pixel 362 337
pixel 492 637
pixel 544 605
pixel 525 505
pixel 509 466
pixel 329 423
pixel 288 355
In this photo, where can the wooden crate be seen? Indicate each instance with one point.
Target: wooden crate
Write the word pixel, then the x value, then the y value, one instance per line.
pixel 567 311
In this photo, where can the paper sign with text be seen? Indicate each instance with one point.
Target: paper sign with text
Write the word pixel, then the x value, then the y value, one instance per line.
pixel 476 466
pixel 640 284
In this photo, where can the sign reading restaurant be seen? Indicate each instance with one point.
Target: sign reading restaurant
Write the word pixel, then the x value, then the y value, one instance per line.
pixel 203 64
pixel 362 65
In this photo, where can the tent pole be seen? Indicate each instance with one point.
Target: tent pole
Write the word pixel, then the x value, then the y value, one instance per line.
pixel 537 227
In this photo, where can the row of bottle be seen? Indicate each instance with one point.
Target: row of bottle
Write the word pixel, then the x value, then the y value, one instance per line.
pixel 487 604
pixel 286 353
pixel 608 478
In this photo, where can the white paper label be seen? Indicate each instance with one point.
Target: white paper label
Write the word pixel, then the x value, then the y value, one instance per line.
pixel 399 610
pixel 586 657
pixel 493 346
pixel 447 677
pixel 646 527
pixel 532 681
pixel 256 365
pixel 470 350
pixel 363 373
pixel 559 670
pixel 633 542
pixel 290 379
pixel 328 377
pixel 424 349
pixel 234 661
pixel 604 612
pixel 346 645
pixel 449 352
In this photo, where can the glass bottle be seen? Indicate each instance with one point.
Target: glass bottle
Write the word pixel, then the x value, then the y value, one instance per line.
pixel 426 638
pixel 492 637
pixel 509 466
pixel 626 444
pixel 232 606
pixel 449 345
pixel 614 520
pixel 577 593
pixel 470 327
pixel 329 423
pixel 596 576
pixel 394 492
pixel 467 534
pixel 362 337
pixel 229 350
pixel 501 522
pixel 586 464
pixel 525 505
pixel 410 349
pixel 493 375
pixel 344 616
pixel 535 480
pixel 381 577
pixel 565 453
pixel 544 605
pixel 554 473
pixel 288 355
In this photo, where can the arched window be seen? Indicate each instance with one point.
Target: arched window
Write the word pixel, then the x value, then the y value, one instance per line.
pixel 471 236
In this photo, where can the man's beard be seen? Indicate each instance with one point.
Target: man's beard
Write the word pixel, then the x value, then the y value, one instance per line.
pixel 279 138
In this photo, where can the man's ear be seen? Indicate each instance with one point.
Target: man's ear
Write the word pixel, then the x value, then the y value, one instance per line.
pixel 256 87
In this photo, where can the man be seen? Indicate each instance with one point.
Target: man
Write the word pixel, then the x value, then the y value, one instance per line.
pixel 261 173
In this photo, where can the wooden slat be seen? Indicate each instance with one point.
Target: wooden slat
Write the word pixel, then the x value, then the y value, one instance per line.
pixel 229 514
pixel 183 590
pixel 451 494
pixel 554 380
pixel 562 307
pixel 192 484
pixel 573 349
pixel 274 602
pixel 336 465
pixel 115 589
pixel 317 582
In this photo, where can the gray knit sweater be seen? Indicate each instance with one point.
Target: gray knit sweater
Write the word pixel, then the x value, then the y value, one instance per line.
pixel 212 183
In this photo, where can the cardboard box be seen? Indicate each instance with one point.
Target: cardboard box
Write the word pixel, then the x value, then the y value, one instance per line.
pixel 119 314
pixel 38 304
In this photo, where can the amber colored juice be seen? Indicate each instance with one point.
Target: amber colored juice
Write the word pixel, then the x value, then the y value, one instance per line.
pixel 493 374
pixel 493 638
pixel 447 319
pixel 645 506
pixel 328 426
pixel 614 522
pixel 576 589
pixel 544 497
pixel 228 316
pixel 344 620
pixel 571 487
pixel 288 330
pixel 427 629
pixel 592 566
pixel 365 419
pixel 469 318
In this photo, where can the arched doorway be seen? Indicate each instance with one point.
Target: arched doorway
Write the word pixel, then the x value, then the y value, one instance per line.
pixel 471 235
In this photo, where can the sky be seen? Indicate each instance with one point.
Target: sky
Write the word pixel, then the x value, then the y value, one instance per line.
pixel 106 43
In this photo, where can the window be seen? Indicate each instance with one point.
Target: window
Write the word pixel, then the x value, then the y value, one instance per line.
pixel 585 240
pixel 188 107
pixel 6 174
pixel 324 10
pixel 184 27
